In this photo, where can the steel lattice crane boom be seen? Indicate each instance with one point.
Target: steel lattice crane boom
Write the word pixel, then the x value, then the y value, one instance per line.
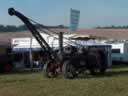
pixel 32 29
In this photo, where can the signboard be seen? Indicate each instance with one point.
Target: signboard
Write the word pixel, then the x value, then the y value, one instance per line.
pixel 16 42
pixel 74 20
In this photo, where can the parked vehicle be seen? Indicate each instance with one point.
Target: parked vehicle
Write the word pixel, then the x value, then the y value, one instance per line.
pixel 120 52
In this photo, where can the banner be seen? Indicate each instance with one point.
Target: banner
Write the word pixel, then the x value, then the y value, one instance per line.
pixel 74 20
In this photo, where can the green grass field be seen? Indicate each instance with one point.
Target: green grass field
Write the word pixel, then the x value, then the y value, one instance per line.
pixel 114 83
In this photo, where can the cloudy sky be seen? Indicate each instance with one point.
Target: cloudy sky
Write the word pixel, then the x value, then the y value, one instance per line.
pixel 55 12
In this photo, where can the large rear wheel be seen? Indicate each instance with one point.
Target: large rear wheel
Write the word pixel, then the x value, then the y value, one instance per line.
pixel 68 70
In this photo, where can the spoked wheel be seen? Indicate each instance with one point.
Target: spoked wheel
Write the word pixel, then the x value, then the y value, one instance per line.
pixel 68 70
pixel 50 70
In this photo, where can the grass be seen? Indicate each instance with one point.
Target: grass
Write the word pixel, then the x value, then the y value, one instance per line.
pixel 114 83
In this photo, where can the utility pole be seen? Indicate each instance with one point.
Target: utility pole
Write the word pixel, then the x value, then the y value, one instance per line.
pixel 30 55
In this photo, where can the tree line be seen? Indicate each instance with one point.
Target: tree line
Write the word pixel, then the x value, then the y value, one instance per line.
pixel 21 28
pixel 112 27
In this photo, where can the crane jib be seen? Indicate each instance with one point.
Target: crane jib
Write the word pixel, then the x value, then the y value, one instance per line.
pixel 32 29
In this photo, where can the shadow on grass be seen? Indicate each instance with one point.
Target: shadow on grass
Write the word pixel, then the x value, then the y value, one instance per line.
pixel 21 72
pixel 113 72
pixel 116 70
pixel 107 74
pixel 116 73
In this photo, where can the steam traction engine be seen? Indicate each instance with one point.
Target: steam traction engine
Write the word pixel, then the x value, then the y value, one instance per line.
pixel 69 60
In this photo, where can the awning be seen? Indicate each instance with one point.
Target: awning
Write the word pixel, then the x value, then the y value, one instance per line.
pixel 26 49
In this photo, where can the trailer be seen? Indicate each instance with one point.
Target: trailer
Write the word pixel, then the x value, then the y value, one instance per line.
pixel 70 60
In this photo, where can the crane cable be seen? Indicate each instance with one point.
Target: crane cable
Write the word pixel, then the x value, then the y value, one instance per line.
pixel 44 31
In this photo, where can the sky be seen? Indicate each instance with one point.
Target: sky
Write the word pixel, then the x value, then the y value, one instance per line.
pixel 93 13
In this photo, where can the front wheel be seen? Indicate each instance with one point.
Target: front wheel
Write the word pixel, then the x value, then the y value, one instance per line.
pixel 68 70
pixel 49 69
